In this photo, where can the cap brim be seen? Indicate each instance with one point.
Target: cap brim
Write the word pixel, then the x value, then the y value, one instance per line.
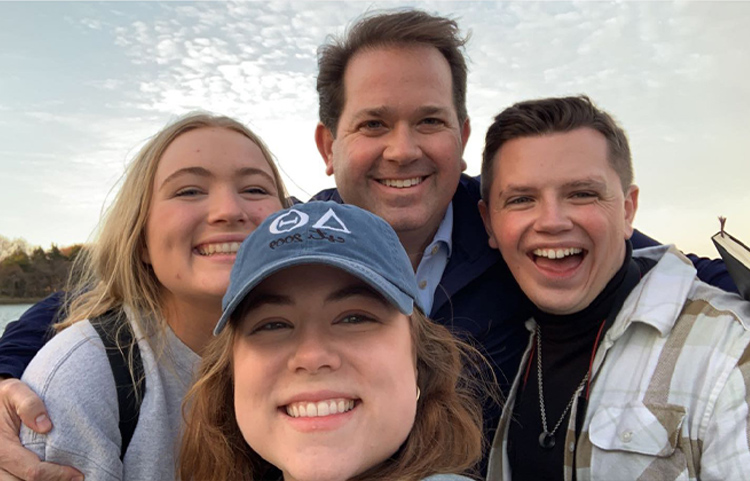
pixel 402 301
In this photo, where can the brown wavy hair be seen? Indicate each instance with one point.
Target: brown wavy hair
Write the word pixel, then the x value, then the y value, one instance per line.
pixel 446 436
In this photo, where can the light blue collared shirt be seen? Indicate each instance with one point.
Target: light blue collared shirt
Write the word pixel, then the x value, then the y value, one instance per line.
pixel 434 259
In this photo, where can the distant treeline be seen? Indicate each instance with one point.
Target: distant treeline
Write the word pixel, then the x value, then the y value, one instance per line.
pixel 34 276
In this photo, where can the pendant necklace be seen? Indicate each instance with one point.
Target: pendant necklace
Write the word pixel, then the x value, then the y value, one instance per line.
pixel 547 438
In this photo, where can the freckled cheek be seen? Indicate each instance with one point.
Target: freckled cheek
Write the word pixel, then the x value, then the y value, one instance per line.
pixel 258 213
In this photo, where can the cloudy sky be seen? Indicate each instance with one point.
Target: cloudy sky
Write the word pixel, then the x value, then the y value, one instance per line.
pixel 83 85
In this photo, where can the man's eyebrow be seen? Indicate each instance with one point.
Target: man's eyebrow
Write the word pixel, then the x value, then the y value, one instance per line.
pixel 376 112
pixel 516 189
pixel 384 111
pixel 359 289
pixel 590 183
pixel 432 110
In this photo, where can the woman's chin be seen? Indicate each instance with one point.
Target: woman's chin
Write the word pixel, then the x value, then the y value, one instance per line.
pixel 321 472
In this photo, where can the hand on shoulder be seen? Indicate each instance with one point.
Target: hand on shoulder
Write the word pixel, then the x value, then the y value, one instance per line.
pixel 19 404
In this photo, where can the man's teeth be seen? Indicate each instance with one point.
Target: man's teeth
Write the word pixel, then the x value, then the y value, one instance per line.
pixel 557 253
pixel 402 183
pixel 223 248
pixel 319 409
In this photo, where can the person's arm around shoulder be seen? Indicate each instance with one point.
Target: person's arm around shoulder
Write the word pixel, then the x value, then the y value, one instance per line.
pixel 710 271
pixel 73 378
pixel 19 404
pixel 23 338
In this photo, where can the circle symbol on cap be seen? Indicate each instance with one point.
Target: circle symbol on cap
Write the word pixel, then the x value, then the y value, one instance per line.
pixel 290 220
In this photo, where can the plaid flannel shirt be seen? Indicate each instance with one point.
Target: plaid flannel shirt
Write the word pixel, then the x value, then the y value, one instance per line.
pixel 670 386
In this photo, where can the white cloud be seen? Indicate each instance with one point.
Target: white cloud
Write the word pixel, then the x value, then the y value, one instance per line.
pixel 93 24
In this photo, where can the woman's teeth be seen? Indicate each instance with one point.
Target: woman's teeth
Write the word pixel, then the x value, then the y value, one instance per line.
pixel 401 183
pixel 557 253
pixel 319 409
pixel 223 248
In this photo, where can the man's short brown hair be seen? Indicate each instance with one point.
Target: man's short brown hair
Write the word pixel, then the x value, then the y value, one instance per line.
pixel 534 118
pixel 393 29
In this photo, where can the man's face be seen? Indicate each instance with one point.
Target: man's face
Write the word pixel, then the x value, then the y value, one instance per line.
pixel 559 216
pixel 399 145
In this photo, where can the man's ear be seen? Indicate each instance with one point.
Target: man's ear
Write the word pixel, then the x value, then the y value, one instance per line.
pixel 465 133
pixel 631 206
pixel 324 141
pixel 484 211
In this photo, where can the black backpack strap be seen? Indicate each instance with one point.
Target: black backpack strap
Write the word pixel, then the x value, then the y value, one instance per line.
pixel 131 386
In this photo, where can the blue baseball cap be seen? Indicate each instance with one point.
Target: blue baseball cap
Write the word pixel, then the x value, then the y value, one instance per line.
pixel 339 235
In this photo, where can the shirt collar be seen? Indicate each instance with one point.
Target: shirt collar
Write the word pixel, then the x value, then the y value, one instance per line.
pixel 445 230
pixel 659 298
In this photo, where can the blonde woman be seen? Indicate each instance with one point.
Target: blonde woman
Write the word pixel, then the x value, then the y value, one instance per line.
pixel 324 367
pixel 158 269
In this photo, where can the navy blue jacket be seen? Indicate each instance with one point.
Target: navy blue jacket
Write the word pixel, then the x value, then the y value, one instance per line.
pixel 24 337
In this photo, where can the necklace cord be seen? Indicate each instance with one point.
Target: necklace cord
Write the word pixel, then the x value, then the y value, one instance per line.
pixel 593 354
pixel 528 364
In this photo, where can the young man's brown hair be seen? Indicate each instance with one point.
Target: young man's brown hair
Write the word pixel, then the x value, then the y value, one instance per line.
pixel 534 118
pixel 393 29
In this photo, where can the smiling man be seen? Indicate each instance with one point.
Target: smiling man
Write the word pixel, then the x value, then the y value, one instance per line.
pixel 396 148
pixel 634 368
pixel 392 131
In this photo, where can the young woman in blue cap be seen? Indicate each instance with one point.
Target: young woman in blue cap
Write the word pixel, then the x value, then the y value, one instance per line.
pixel 324 367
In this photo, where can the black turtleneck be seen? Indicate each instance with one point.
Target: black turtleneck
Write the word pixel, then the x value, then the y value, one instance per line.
pixel 567 346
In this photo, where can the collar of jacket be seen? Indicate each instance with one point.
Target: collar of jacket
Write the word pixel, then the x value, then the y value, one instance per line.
pixel 471 255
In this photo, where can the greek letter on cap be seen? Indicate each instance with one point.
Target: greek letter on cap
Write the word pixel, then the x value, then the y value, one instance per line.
pixel 331 221
pixel 293 219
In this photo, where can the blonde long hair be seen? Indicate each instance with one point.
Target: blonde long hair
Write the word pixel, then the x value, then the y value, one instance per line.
pixel 446 436
pixel 110 274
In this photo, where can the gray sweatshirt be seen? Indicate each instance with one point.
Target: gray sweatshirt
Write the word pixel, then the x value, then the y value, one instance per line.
pixel 73 377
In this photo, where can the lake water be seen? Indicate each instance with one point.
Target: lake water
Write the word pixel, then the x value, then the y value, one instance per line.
pixel 10 313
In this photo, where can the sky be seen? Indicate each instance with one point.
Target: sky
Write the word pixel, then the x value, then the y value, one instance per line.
pixel 84 84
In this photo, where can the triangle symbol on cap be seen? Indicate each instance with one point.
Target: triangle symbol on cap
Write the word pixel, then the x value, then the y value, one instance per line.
pixel 331 221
